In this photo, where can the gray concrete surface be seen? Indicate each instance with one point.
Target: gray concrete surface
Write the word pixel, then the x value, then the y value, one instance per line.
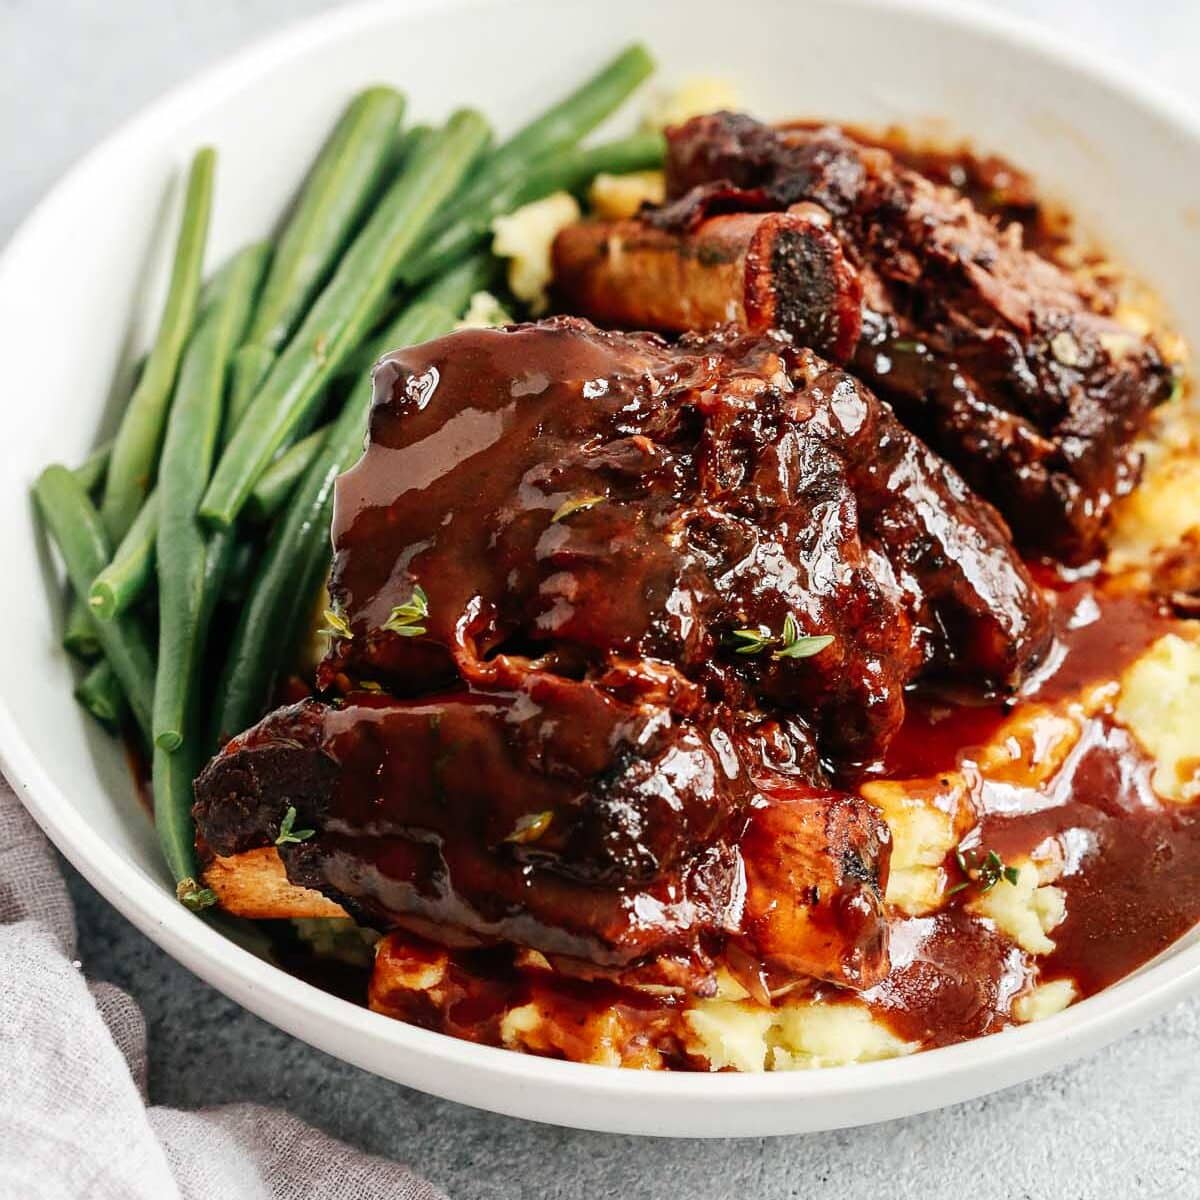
pixel 1124 1123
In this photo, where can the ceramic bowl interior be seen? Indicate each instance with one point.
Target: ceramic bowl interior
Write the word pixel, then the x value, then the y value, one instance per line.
pixel 81 283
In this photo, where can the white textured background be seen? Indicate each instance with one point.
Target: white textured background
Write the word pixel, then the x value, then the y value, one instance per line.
pixel 1124 1123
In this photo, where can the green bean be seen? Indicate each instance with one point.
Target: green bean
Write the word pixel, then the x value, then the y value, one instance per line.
pixel 272 490
pixel 408 141
pixel 78 530
pixel 99 691
pixel 189 448
pixel 172 775
pixel 126 578
pixel 173 771
pixel 570 171
pixel 221 556
pixel 92 470
pixel 353 367
pixel 255 361
pixel 79 633
pixel 136 446
pixel 251 365
pixel 343 180
pixel 451 290
pixel 297 554
pixel 243 561
pixel 342 314
pixel 561 126
pixel 285 582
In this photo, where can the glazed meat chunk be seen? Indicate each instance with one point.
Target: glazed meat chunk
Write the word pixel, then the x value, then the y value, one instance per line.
pixel 606 836
pixel 674 519
pixel 990 352
pixel 760 271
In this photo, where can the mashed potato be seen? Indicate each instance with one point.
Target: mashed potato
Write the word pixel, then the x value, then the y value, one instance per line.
pixel 484 312
pixel 927 819
pixel 1044 1001
pixel 526 237
pixel 811 1034
pixel 792 1036
pixel 1024 910
pixel 692 98
pixel 607 1037
pixel 1031 746
pixel 1165 507
pixel 731 1034
pixel 1160 705
pixel 617 197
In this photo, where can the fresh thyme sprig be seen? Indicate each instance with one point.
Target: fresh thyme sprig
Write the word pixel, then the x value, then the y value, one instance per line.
pixel 287 833
pixel 405 618
pixel 985 874
pixel 798 645
pixel 791 642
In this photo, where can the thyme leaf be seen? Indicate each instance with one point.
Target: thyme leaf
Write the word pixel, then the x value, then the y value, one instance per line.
pixel 753 641
pixel 573 505
pixel 404 618
pixel 336 626
pixel 286 831
pixel 194 897
pixel 798 645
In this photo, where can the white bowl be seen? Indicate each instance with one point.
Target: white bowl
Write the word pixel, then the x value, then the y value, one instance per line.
pixel 76 298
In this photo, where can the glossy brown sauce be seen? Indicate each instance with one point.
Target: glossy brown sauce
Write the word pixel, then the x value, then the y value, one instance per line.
pixel 1098 633
pixel 583 667
pixel 1131 869
pixel 953 978
pixel 473 991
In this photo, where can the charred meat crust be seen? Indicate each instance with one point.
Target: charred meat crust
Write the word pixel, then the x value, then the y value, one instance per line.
pixel 988 351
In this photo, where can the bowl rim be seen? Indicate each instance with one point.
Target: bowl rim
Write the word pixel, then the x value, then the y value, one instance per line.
pixel 301 1008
